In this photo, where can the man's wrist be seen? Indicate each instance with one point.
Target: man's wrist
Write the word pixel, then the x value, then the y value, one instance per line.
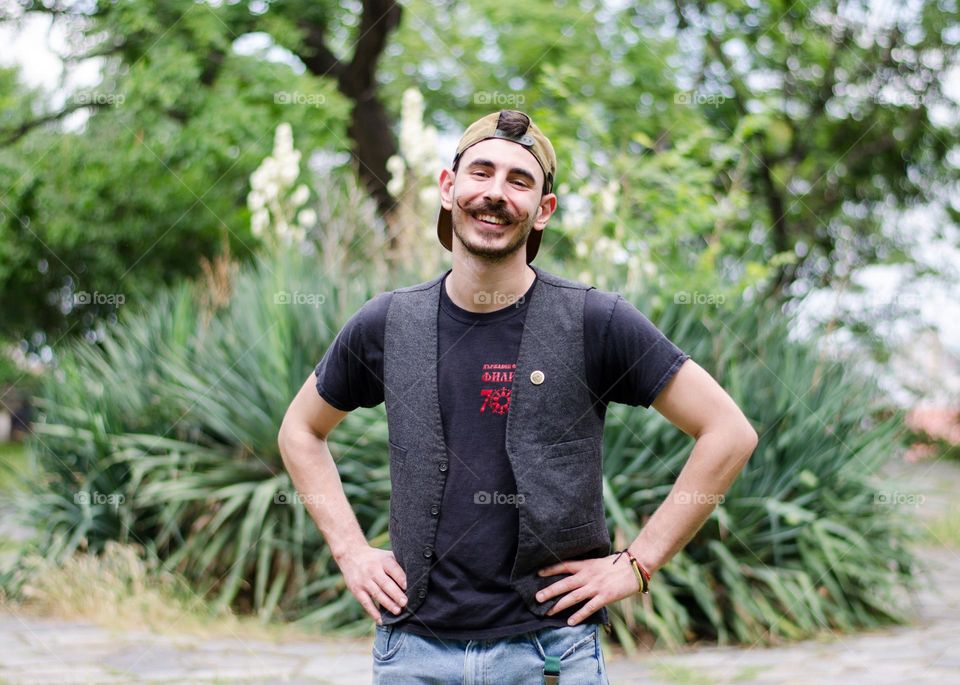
pixel 342 552
pixel 644 561
pixel 643 576
pixel 639 571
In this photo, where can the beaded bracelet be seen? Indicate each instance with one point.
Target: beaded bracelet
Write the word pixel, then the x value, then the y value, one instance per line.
pixel 643 576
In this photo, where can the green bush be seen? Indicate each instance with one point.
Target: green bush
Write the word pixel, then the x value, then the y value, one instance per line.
pixel 804 541
pixel 175 414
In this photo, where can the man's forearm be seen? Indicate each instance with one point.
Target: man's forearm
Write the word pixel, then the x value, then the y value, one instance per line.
pixel 315 476
pixel 716 460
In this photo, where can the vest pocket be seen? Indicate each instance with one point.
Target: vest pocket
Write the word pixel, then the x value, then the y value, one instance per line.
pixel 589 531
pixel 571 448
pixel 568 491
pixel 398 455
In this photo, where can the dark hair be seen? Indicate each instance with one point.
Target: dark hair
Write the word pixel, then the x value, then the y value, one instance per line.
pixel 514 124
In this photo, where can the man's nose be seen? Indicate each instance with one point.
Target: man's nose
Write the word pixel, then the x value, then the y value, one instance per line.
pixel 494 190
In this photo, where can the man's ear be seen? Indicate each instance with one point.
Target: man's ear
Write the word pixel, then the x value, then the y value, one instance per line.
pixel 546 208
pixel 447 177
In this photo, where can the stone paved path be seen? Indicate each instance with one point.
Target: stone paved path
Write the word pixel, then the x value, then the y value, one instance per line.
pixel 41 650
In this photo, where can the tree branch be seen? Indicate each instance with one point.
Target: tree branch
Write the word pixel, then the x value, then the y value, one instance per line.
pixel 370 124
pixel 315 54
pixel 15 134
pixel 380 17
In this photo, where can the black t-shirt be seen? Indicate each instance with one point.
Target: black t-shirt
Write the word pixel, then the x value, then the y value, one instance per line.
pixel 628 360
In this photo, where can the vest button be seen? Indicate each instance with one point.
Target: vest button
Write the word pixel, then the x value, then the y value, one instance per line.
pixel 443 466
pixel 536 377
pixel 434 509
pixel 427 552
pixel 422 592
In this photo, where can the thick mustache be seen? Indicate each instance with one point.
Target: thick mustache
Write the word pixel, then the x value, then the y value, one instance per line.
pixel 498 211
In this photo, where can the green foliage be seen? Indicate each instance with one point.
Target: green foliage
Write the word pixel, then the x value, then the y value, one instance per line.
pixel 175 412
pixel 165 435
pixel 157 176
pixel 747 143
pixel 12 466
pixel 814 122
pixel 804 541
pixel 680 177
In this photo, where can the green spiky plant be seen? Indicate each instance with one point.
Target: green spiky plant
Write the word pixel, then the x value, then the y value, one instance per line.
pixel 175 413
pixel 801 543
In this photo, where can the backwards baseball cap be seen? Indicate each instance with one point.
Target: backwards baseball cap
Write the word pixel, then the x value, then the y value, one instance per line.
pixel 531 138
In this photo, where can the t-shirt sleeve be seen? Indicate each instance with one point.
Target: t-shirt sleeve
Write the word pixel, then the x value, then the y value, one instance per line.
pixel 635 359
pixel 350 374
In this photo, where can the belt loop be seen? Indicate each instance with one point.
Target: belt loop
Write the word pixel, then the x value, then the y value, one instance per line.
pixel 551 670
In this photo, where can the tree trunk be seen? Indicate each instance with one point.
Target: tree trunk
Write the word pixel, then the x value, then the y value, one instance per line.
pixel 370 125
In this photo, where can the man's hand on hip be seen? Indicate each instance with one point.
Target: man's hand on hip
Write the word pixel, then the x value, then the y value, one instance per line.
pixel 598 580
pixel 373 575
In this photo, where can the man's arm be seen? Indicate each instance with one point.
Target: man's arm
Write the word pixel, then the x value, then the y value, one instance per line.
pixel 371 574
pixel 694 402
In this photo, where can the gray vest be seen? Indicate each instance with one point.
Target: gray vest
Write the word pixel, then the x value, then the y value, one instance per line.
pixel 553 439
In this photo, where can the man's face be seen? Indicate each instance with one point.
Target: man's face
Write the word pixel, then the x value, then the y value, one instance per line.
pixel 496 198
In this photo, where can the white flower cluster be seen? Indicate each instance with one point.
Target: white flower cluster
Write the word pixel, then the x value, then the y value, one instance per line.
pixel 273 199
pixel 418 152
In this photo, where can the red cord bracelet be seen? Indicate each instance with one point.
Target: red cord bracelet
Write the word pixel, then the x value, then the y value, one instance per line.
pixel 643 575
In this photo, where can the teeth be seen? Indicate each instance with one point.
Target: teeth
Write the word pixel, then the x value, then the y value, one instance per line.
pixel 491 219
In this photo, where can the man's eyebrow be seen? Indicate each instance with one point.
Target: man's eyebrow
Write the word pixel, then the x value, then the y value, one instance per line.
pixel 518 171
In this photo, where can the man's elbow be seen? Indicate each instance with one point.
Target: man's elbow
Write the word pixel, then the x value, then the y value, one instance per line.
pixel 281 441
pixel 746 441
pixel 284 441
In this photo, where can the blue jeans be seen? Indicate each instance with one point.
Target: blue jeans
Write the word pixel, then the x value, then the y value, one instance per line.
pixel 403 658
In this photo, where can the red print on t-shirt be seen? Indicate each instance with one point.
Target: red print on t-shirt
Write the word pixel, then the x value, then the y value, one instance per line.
pixel 497 398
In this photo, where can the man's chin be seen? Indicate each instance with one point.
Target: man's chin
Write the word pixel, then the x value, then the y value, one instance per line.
pixel 491 250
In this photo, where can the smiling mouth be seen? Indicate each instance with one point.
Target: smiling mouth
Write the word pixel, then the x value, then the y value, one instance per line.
pixel 490 220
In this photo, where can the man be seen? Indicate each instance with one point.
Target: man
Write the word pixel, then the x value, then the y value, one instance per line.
pixel 496 377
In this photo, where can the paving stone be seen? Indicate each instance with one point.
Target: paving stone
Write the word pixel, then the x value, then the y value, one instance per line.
pixel 66 676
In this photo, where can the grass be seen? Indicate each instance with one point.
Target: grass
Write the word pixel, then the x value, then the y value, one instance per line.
pixel 685 675
pixel 944 531
pixel 748 673
pixel 681 675
pixel 13 465
pixel 120 590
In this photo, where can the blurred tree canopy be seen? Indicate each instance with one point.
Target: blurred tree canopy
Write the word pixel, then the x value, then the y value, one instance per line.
pixel 724 144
